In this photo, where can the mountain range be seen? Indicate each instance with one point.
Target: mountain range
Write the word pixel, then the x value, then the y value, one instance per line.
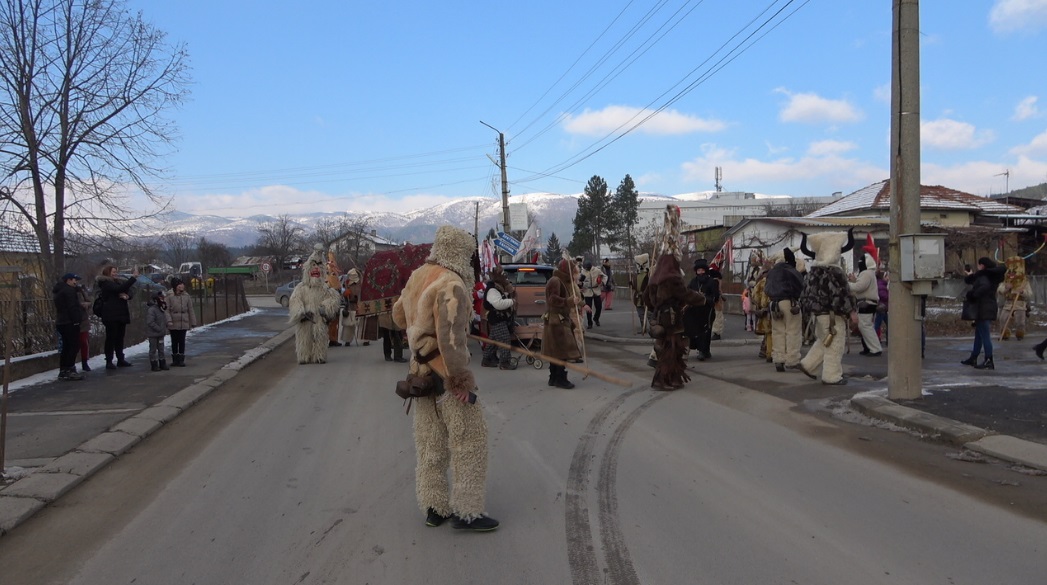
pixel 553 213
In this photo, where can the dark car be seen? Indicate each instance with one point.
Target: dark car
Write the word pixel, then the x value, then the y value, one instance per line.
pixel 529 280
pixel 283 292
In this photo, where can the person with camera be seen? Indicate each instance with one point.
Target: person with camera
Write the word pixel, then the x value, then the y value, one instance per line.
pixel 115 291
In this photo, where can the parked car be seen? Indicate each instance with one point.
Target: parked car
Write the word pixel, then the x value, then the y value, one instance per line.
pixel 529 280
pixel 283 292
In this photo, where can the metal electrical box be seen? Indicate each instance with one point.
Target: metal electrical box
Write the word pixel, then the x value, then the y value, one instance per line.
pixel 922 259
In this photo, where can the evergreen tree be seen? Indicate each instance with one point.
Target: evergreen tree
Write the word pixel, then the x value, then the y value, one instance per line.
pixel 553 250
pixel 625 211
pixel 593 218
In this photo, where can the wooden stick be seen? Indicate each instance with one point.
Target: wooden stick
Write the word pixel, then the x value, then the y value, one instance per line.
pixel 1014 303
pixel 552 360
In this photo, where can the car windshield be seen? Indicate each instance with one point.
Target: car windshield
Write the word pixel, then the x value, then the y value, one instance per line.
pixel 528 275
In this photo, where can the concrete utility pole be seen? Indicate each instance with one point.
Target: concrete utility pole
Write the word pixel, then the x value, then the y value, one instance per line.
pixel 505 180
pixel 904 376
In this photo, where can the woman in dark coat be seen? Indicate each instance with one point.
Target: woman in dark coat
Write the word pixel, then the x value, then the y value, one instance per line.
pixel 116 313
pixel 698 320
pixel 558 339
pixel 982 308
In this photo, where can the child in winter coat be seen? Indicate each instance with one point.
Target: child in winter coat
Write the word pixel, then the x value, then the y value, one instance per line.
pixel 747 310
pixel 156 330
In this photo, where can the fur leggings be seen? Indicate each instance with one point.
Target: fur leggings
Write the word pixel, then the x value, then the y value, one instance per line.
pixel 450 434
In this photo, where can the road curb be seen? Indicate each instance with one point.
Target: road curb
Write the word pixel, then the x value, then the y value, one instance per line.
pixel 28 495
pixel 1004 447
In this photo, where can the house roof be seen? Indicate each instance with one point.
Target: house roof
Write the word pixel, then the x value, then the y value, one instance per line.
pixel 878 196
pixel 18 241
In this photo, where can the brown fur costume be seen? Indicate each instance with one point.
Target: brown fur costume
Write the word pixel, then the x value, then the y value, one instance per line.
pixel 435 309
pixel 666 296
pixel 311 307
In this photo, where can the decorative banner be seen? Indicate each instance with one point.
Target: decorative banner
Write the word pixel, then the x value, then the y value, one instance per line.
pixel 488 258
pixel 385 275
pixel 530 242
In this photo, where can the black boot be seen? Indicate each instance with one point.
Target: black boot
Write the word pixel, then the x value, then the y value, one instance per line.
pixel 561 380
pixel 86 368
pixel 163 365
pixel 109 365
pixel 1039 348
pixel 122 363
pixel 154 366
pixel 971 361
pixel 986 365
pixel 552 375
pixel 181 360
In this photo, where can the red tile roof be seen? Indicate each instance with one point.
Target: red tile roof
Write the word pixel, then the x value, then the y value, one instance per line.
pixel 878 196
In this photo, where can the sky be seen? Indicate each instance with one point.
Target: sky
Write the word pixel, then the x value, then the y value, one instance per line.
pixel 334 105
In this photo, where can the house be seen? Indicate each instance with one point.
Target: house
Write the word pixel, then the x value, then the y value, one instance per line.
pixel 360 245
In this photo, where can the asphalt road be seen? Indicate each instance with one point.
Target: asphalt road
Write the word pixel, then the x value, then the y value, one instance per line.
pixel 304 474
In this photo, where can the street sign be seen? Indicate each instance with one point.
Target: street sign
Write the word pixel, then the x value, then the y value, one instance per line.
pixel 506 247
pixel 506 238
pixel 266 267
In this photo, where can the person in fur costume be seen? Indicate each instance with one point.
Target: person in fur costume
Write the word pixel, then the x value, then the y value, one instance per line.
pixel 1015 292
pixel 558 334
pixel 666 297
pixel 761 304
pixel 783 285
pixel 449 429
pixel 350 298
pixel 313 304
pixel 827 298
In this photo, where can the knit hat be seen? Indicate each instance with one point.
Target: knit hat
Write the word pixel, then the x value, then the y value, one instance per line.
pixel 701 264
pixel 987 262
pixel 70 276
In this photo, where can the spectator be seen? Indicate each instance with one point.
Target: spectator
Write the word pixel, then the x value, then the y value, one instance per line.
pixel 500 304
pixel 156 319
pixel 591 282
pixel 85 325
pixel 607 292
pixel 883 289
pixel 698 319
pixel 116 314
pixel 866 292
pixel 980 306
pixel 392 339
pixel 68 315
pixel 181 317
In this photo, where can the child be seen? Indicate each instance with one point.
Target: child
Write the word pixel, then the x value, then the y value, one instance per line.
pixel 747 310
pixel 156 330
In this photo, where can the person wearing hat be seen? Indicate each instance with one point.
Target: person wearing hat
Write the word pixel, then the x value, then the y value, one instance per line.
pixel 181 317
pixel 68 315
pixel 156 330
pixel 698 319
pixel 867 294
pixel 980 306
pixel 591 282
pixel 639 284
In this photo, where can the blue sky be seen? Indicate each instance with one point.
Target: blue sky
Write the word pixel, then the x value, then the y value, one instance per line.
pixel 338 105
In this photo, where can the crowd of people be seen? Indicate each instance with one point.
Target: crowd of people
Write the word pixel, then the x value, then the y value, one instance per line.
pixel 165 315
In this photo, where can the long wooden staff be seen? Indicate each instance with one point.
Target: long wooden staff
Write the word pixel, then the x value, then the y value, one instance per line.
pixel 552 360
pixel 1014 304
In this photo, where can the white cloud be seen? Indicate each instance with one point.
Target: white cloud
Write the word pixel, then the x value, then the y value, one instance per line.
pixel 830 169
pixel 1038 146
pixel 1013 15
pixel 1026 109
pixel 811 108
pixel 882 93
pixel 983 177
pixel 946 134
pixel 614 118
pixel 827 147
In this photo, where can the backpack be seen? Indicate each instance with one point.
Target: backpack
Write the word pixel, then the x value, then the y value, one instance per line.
pixel 96 308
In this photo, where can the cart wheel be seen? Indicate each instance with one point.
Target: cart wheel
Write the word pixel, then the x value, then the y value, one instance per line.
pixel 538 364
pixel 530 360
pixel 514 361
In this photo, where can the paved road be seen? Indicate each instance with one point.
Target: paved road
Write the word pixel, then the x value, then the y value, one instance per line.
pixel 304 474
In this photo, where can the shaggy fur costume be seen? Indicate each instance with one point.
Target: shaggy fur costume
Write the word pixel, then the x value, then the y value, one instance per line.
pixel 827 298
pixel 435 309
pixel 312 306
pixel 666 296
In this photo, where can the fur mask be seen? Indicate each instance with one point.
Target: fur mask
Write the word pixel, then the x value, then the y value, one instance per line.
pixel 827 247
pixel 314 271
pixel 453 249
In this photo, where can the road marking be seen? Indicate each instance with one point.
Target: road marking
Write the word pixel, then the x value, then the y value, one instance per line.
pixel 76 412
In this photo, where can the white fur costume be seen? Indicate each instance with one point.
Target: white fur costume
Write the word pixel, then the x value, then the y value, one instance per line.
pixel 827 298
pixel 312 305
pixel 435 309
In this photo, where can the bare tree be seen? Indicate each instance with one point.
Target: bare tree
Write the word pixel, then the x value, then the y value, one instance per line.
pixel 327 230
pixel 178 247
pixel 354 243
pixel 213 253
pixel 83 87
pixel 281 238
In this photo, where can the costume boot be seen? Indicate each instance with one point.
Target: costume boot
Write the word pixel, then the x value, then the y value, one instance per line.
pixel 1019 334
pixel 181 360
pixel 84 366
pixel 154 366
pixel 986 365
pixel 163 365
pixel 561 380
pixel 1039 348
pixel 109 365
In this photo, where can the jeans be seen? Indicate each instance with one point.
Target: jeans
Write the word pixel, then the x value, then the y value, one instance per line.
pixel 114 339
pixel 982 337
pixel 178 341
pixel 70 333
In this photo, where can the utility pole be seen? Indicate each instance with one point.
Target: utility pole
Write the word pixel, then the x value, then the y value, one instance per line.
pixel 904 376
pixel 505 180
pixel 1007 177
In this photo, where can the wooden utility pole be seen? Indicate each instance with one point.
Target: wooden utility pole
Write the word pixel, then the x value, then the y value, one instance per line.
pixel 8 301
pixel 505 179
pixel 904 376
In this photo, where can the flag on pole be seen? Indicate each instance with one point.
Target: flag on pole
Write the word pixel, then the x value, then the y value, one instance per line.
pixel 724 256
pixel 529 242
